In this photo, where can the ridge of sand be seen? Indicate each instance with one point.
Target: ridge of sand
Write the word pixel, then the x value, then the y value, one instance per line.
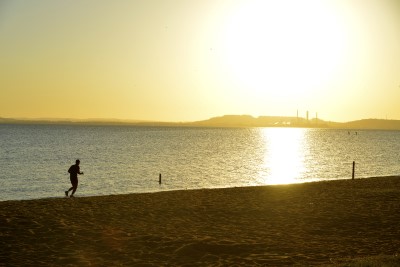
pixel 299 224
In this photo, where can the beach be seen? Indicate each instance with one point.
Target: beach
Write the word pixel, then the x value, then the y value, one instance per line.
pixel 317 223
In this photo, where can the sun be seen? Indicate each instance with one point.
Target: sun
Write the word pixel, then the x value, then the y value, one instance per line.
pixel 283 48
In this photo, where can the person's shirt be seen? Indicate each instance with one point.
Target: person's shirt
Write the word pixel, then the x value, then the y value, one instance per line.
pixel 74 170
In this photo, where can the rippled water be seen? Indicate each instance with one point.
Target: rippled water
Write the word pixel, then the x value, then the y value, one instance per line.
pixel 34 159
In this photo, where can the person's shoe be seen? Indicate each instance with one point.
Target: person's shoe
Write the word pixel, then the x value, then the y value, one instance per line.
pixel 66 193
pixel 72 196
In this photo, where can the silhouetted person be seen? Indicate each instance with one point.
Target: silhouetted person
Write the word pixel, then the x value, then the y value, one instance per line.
pixel 73 176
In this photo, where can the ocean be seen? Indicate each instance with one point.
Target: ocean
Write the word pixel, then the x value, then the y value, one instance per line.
pixel 34 159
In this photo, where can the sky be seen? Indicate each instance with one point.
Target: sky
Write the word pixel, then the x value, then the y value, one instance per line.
pixel 189 60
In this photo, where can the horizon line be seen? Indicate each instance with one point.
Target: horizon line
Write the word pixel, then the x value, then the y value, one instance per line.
pixel 116 120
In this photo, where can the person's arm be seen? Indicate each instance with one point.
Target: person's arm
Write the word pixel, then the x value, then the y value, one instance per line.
pixel 79 170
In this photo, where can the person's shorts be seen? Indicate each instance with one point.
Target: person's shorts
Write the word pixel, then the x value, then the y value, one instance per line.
pixel 74 181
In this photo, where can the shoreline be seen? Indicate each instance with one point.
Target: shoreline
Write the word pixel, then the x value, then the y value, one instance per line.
pixel 313 223
pixel 62 195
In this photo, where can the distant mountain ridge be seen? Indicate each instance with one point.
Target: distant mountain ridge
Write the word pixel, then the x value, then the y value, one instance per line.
pixel 262 121
pixel 373 124
pixel 227 121
pixel 281 121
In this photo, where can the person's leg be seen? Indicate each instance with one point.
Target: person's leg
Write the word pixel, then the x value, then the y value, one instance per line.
pixel 74 183
pixel 74 187
pixel 66 192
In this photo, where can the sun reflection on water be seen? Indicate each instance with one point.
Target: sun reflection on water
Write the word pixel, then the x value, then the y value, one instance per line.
pixel 284 155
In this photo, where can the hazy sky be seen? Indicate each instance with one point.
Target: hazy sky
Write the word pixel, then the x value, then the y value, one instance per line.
pixel 187 60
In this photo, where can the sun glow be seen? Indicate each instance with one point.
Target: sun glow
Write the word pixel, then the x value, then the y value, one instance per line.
pixel 284 48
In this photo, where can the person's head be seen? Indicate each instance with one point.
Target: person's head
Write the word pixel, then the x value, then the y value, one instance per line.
pixel 77 162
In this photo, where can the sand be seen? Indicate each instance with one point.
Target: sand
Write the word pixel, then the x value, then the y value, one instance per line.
pixel 302 224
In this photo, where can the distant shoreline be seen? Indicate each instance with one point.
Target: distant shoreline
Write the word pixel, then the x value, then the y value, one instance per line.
pixel 227 121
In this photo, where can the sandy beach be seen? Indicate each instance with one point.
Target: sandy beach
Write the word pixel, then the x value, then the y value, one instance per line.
pixel 317 223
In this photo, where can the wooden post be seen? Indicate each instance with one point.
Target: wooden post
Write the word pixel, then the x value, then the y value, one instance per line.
pixel 159 179
pixel 354 167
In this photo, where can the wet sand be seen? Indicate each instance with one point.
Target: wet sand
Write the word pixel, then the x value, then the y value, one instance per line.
pixel 302 224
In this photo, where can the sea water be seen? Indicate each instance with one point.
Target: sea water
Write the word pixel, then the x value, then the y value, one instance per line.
pixel 34 159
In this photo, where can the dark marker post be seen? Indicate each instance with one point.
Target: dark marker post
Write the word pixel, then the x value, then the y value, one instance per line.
pixel 159 179
pixel 354 167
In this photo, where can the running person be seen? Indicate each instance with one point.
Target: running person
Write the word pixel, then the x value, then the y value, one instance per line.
pixel 74 170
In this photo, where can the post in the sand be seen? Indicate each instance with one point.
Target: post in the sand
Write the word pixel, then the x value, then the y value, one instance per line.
pixel 159 179
pixel 354 167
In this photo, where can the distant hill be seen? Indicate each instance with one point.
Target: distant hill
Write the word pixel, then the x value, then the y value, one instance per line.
pixel 262 121
pixel 276 121
pixel 373 124
pixel 228 121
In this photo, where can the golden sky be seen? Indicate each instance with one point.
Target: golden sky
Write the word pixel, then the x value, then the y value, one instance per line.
pixel 187 60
